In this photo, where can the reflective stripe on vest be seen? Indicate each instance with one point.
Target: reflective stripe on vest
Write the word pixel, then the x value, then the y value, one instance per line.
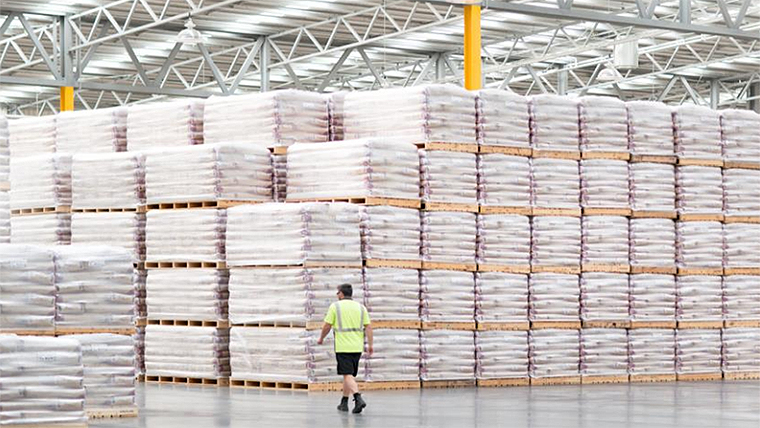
pixel 340 320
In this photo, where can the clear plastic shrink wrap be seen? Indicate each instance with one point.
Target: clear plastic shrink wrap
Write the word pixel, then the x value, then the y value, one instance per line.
pixel 337 113
pixel 283 355
pixel 449 237
pixel 41 181
pixel 604 240
pixel 449 177
pixel 604 183
pixel 653 187
pixel 700 244
pixel 94 287
pixel 698 351
pixel 5 151
pixel 556 241
pixel 109 370
pixel 556 183
pixel 428 113
pixel 741 143
pixel 653 242
pixel 652 351
pixel 653 297
pixel 276 118
pixel 503 239
pixel 699 190
pixel 741 347
pixel 555 123
pixel 291 234
pixel 554 353
pixel 604 124
pixel 352 169
pixel 700 298
pixel 392 294
pixel 742 191
pixel 195 352
pixel 193 235
pixel 91 131
pixel 27 288
pixel 31 136
pixel 604 352
pixel 697 132
pixel 504 180
pixel 650 128
pixel 502 354
pixel 174 123
pixel 503 118
pixel 741 294
pixel 604 296
pixel 301 294
pixel 45 229
pixel 187 294
pixel 396 356
pixel 447 355
pixel 390 233
pixel 113 180
pixel 41 382
pixel 120 229
pixel 447 296
pixel 501 297
pixel 742 245
pixel 208 173
pixel 5 217
pixel 554 297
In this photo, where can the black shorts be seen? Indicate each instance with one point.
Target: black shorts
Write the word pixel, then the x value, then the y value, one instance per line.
pixel 348 363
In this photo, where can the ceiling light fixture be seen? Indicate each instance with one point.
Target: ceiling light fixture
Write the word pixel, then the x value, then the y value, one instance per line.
pixel 190 35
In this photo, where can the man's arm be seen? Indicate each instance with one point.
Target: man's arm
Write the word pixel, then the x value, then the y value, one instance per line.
pixel 325 331
pixel 368 333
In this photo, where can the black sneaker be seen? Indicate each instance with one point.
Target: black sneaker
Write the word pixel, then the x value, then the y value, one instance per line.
pixel 343 406
pixel 359 404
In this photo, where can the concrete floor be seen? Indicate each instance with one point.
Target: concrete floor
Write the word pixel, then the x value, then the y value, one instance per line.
pixel 681 404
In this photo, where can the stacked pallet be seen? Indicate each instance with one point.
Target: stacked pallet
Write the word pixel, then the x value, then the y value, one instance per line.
pixel 112 181
pixel 604 355
pixel 503 122
pixel 555 357
pixel 555 129
pixel 603 128
pixel 125 230
pixel 27 282
pixel 91 131
pixel 187 355
pixel 502 358
pixel 31 136
pixel 652 355
pixel 164 124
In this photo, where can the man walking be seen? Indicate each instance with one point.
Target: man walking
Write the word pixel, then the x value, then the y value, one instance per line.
pixel 350 321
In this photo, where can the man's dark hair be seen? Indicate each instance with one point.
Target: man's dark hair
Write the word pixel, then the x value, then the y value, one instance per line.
pixel 346 289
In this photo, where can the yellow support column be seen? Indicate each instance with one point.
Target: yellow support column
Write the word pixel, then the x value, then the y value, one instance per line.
pixel 472 71
pixel 67 98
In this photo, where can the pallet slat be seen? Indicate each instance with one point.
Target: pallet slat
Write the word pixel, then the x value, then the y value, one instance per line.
pixel 388 263
pixel 449 146
pixel 662 270
pixel 187 380
pixel 592 211
pixel 700 324
pixel 190 323
pixel 503 326
pixel 558 380
pixel 366 200
pixel 701 271
pixel 654 214
pixel 63 331
pixel 741 375
pixel 116 412
pixel 557 212
pixel 624 156
pixel 503 382
pixel 186 265
pixel 650 378
pixel 666 159
pixel 438 325
pixel 567 325
pixel 606 324
pixel 323 387
pixel 62 209
pixel 557 154
pixel 463 383
pixel 507 150
pixel 570 270
pixel 603 379
pixel 138 209
pixel 495 209
pixel 597 267
pixel 504 268
pixel 699 376
pixel 465 267
pixel 653 324
pixel 446 206
pixel 701 162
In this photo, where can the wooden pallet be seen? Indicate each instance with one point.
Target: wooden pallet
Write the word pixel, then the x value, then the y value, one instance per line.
pixel 599 267
pixel 504 268
pixel 741 271
pixel 445 206
pixel 186 265
pixel 700 217
pixel 623 156
pixel 565 325
pixel 278 150
pixel 623 212
pixel 700 324
pixel 557 212
pixel 274 324
pixel 606 323
pixel 507 150
pixel 659 270
pixel 139 209
pixel 366 200
pixel 741 375
pixel 64 331
pixel 491 209
pixel 557 154
pixel 454 325
pixel 604 379
pixel 558 380
pixel 462 383
pixel 741 165
pixel 635 324
pixel 187 380
pixel 699 376
pixel 388 263
pixel 503 382
pixel 742 219
pixel 191 323
pixel 718 163
pixel 322 387
pixel 651 378
pixel 27 332
pixel 463 267
pixel 503 326
pixel 741 323
pixel 62 209
pixel 141 322
pixel 397 324
pixel 115 412
pixel 569 270
pixel 701 271
pixel 668 159
pixel 218 204
pixel 449 146
pixel 654 214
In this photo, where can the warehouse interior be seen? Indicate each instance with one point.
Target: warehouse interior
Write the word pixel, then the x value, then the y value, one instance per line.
pixel 549 209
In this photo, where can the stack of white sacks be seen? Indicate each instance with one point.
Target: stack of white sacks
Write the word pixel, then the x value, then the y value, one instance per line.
pixel 652 351
pixel 653 242
pixel 742 192
pixel 392 294
pixel 604 352
pixel 699 190
pixel 496 188
pixel 122 229
pixel 175 123
pixel 449 177
pixel 554 353
pixel 336 113
pixel 396 356
pixel 504 239
pixel 503 119
pixel 5 152
pixel 697 132
pixel 32 136
pixel 698 351
pixel 556 183
pixel 429 113
pixel 449 237
pixel 447 355
pixel 193 352
pixel 653 187
pixel 604 183
pixel 741 295
pixel 390 233
pixel 650 128
pixel 502 354
pixel 278 118
pixel 603 125
pixel 44 229
pixel 187 294
pixel 41 382
pixel 741 245
pixel 700 298
pixel 113 180
pixel 604 296
pixel 700 244
pixel 556 241
pixel 27 288
pixel 653 297
pixel 109 370
pixel 604 240
pixel 739 145
pixel 554 297
pixel 91 131
pixel 740 349
pixel 447 296
pixel 192 235
pixel 555 123
pixel 501 297
pixel 5 217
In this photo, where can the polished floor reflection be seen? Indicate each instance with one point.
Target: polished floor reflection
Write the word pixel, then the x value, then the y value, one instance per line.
pixel 681 404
